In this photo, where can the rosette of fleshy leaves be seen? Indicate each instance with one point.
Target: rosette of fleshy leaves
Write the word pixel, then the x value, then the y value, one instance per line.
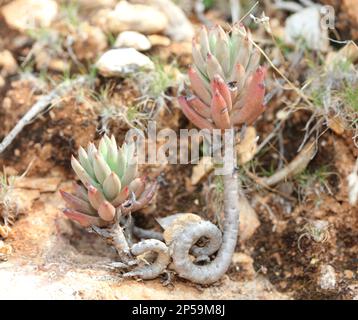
pixel 110 186
pixel 227 83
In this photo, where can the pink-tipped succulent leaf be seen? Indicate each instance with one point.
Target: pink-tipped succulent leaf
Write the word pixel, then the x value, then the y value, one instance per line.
pixel 226 80
pixel 108 174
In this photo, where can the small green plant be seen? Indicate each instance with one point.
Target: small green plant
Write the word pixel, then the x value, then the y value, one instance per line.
pixel 109 175
pixel 317 98
pixel 133 113
pixel 314 182
pixel 111 38
pixel 111 110
pixel 350 96
pixel 333 91
pixel 70 11
pixel 154 85
pixel 162 79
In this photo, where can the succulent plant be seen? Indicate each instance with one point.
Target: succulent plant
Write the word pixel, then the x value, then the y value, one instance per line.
pixel 110 186
pixel 228 90
pixel 226 80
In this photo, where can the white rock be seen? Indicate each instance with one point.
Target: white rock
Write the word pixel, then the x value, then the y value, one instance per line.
pixel 27 14
pixel 249 221
pixel 132 39
pixel 119 62
pixel 306 25
pixel 131 17
pixel 179 27
pixel 157 40
pixel 327 278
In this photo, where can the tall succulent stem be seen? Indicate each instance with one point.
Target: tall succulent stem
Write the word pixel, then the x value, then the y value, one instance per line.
pixel 213 271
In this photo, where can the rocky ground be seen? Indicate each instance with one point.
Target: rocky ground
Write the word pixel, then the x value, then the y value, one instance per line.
pixel 298 236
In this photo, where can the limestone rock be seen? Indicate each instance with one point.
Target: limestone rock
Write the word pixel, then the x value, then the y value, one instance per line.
pixel 119 62
pixel 27 14
pixel 131 17
pixel 249 222
pixel 157 40
pixel 132 39
pixel 327 277
pixel 179 27
pixel 305 25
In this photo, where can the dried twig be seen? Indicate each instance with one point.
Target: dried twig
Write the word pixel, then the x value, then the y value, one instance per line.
pixel 41 105
pixel 297 165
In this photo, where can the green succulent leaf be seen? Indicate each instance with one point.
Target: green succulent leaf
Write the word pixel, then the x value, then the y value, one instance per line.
pixel 85 162
pixel 111 186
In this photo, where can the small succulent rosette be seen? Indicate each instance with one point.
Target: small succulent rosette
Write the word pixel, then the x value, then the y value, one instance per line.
pixel 110 186
pixel 227 83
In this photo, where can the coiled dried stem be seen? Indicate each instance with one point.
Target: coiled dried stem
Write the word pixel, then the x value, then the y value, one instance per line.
pixel 153 270
pixel 183 236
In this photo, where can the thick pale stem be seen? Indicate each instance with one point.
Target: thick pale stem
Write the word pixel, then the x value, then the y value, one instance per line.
pixel 120 243
pixel 116 238
pixel 206 274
